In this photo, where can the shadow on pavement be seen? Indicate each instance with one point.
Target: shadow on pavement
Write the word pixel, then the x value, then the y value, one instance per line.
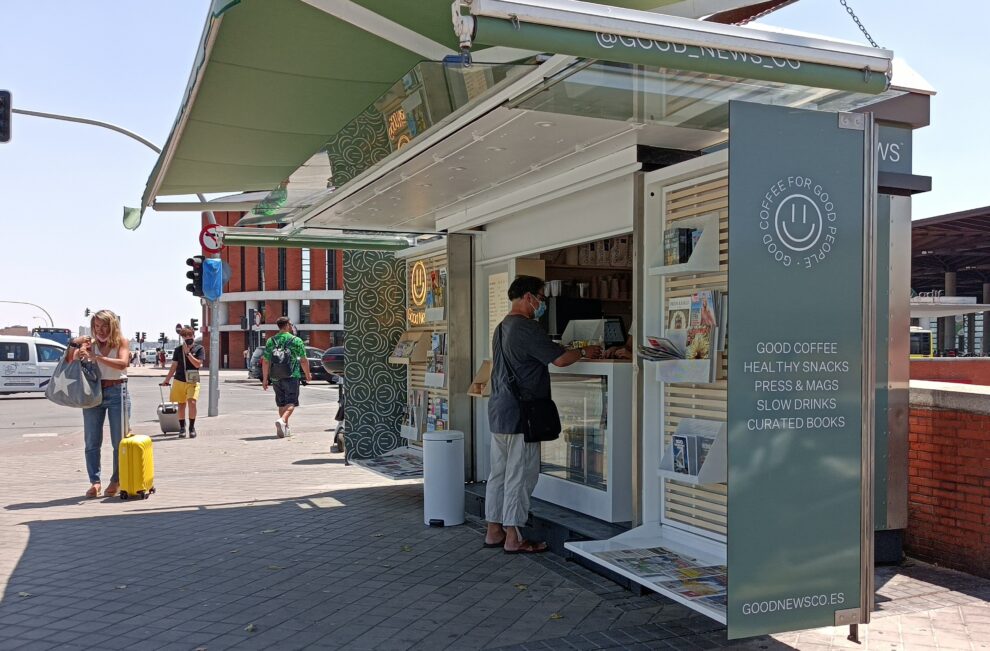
pixel 348 568
pixel 317 462
pixel 62 501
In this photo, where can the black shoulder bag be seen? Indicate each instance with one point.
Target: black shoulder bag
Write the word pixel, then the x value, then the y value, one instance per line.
pixel 540 419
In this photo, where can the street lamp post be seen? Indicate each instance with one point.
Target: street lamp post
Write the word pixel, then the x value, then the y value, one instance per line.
pixel 51 323
pixel 214 404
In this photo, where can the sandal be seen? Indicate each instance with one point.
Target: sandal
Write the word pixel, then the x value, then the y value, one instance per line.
pixel 493 545
pixel 94 491
pixel 111 489
pixel 528 547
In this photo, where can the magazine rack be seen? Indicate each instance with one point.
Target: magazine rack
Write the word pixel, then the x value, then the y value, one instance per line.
pixel 415 350
pixel 714 469
pixel 704 256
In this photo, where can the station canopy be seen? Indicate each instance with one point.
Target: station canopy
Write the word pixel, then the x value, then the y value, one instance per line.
pixel 415 135
pixel 958 242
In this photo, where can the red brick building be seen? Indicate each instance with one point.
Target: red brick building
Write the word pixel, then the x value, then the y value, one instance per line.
pixel 307 285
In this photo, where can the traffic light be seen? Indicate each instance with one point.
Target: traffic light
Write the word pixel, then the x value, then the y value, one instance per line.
pixel 194 323
pixel 144 337
pixel 5 110
pixel 195 275
pixel 161 337
pixel 87 313
pixel 137 336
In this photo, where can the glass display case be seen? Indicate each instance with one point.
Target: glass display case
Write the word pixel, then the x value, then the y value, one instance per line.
pixel 580 454
pixel 588 468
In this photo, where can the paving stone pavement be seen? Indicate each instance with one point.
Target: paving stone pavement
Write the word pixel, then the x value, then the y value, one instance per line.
pixel 257 542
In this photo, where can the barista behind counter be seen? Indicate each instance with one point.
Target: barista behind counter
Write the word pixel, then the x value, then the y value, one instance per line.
pixel 622 352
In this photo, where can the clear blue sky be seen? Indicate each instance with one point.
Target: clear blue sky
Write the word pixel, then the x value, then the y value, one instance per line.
pixel 128 62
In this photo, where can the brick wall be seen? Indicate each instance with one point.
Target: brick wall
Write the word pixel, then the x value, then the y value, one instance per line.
pixel 949 486
pixel 963 370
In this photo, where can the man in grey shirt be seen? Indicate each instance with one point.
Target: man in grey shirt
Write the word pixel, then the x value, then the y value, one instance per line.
pixel 519 344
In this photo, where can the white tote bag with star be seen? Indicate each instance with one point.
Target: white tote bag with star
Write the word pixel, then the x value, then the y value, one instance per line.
pixel 75 384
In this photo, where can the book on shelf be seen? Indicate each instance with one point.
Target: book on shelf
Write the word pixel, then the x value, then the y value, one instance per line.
pixel 703 445
pixel 682 454
pixel 437 415
pixel 678 244
pixel 436 359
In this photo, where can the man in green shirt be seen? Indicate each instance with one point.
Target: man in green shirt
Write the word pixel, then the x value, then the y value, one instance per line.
pixel 283 364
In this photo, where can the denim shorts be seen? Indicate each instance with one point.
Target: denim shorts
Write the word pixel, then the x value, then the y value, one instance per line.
pixel 286 392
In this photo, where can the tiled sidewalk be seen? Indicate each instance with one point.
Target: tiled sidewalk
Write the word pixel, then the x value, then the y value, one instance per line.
pixel 257 542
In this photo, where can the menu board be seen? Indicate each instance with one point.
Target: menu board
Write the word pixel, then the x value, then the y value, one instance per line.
pixel 498 302
pixel 795 404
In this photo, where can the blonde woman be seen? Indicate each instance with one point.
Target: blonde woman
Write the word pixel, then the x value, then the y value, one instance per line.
pixel 111 352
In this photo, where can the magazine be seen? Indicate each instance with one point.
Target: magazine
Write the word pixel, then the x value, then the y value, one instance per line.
pixel 702 326
pixel 717 601
pixel 696 588
pixel 404 348
pixel 678 313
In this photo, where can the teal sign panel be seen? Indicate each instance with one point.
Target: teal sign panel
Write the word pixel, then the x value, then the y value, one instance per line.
pixel 796 238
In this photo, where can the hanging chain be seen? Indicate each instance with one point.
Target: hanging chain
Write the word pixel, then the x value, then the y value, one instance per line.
pixel 855 18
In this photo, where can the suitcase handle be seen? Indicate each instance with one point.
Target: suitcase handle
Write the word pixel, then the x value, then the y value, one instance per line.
pixel 161 395
pixel 125 426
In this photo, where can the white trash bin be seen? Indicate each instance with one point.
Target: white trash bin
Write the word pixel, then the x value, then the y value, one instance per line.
pixel 443 478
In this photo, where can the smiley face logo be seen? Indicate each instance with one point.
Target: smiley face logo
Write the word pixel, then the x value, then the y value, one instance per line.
pixel 798 222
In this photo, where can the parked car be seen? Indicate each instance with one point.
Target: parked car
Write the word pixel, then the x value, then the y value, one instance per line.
pixel 314 355
pixel 333 361
pixel 150 356
pixel 254 363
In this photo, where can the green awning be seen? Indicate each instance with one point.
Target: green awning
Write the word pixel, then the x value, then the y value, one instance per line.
pixel 590 31
pixel 677 56
pixel 274 79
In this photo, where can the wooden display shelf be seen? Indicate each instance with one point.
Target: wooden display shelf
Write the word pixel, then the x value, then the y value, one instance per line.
pixel 705 256
pixel 714 470
pixel 589 267
pixel 418 354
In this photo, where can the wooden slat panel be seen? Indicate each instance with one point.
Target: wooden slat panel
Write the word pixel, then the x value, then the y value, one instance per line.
pixel 703 507
pixel 686 203
pixel 416 376
pixel 714 184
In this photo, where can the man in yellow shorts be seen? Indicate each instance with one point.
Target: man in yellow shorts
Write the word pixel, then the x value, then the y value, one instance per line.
pixel 186 362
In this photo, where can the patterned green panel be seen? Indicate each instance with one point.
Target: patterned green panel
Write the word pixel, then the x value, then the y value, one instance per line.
pixel 358 146
pixel 374 318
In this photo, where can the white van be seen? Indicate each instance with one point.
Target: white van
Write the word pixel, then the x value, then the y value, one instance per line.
pixel 27 363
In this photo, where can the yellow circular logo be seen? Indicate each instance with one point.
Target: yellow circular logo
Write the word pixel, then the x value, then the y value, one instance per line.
pixel 417 283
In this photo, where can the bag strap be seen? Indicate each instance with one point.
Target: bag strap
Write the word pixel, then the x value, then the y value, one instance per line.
pixel 513 385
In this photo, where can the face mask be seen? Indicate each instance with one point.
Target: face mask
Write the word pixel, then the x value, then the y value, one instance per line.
pixel 190 342
pixel 541 309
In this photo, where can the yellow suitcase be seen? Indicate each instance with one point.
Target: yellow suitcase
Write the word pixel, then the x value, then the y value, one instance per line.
pixel 137 465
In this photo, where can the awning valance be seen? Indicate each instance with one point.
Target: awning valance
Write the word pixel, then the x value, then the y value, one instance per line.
pixel 591 31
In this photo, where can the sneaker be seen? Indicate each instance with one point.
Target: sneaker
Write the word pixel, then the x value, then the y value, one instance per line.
pixel 280 428
pixel 287 432
pixel 192 433
pixel 182 433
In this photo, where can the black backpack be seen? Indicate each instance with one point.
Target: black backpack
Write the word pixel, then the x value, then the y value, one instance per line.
pixel 280 367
